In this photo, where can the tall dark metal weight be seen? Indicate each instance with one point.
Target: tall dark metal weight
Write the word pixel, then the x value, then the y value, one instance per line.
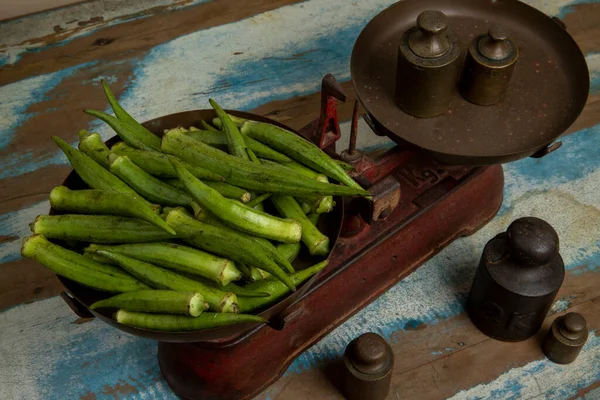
pixel 518 277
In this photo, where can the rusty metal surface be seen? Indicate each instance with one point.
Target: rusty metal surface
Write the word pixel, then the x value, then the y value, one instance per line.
pixel 80 298
pixel 449 203
pixel 519 275
pixel 547 92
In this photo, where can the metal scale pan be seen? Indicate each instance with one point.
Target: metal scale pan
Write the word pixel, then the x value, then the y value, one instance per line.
pixel 548 90
pixel 80 298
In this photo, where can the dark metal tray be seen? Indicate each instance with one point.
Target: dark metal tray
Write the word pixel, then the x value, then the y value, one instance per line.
pixel 81 297
pixel 547 92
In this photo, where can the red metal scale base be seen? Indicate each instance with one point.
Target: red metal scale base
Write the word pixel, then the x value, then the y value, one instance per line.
pixel 401 231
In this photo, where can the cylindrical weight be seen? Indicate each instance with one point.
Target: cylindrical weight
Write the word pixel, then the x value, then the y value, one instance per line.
pixel 566 338
pixel 518 277
pixel 488 68
pixel 368 364
pixel 427 69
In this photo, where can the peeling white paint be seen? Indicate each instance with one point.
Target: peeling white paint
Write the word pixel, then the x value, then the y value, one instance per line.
pixel 63 24
pixel 543 379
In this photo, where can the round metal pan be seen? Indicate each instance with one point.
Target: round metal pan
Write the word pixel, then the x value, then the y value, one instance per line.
pixel 330 224
pixel 547 92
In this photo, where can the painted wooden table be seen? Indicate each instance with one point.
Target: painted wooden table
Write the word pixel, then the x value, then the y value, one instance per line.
pixel 267 56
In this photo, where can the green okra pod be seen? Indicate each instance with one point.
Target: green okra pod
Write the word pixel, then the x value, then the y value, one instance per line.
pixel 159 164
pixel 125 132
pixel 147 137
pixel 217 139
pixel 319 204
pixel 160 278
pixel 179 323
pixel 99 258
pixel 298 149
pixel 224 242
pixel 156 301
pixel 93 145
pixel 238 121
pixel 289 250
pixel 98 229
pixel 76 258
pixel 317 243
pixel 246 174
pixel 237 215
pixel 96 201
pixel 344 165
pixel 275 289
pixel 225 189
pixel 235 141
pixel 149 187
pixel 208 126
pixel 265 246
pixel 258 200
pixel 230 287
pixel 90 171
pixel 179 258
pixel 63 262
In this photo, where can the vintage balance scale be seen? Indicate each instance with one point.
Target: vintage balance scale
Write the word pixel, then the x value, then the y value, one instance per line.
pixel 442 180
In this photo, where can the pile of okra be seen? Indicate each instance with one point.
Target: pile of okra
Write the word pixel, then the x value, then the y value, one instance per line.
pixel 175 228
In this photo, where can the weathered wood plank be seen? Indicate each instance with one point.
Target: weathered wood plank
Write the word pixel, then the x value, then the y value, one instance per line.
pixel 134 38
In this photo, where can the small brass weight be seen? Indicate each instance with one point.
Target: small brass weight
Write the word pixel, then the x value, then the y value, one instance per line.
pixel 488 67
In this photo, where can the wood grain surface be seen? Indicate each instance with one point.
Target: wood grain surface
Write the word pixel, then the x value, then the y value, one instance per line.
pixel 267 57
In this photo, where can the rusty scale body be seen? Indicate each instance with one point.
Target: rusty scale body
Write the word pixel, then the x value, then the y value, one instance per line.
pixel 488 68
pixel 566 338
pixel 368 364
pixel 518 277
pixel 428 66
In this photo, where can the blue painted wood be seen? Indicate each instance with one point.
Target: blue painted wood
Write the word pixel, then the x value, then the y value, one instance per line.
pixel 45 354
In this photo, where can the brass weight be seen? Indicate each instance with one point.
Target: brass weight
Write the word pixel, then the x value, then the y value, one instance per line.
pixel 488 67
pixel 427 69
